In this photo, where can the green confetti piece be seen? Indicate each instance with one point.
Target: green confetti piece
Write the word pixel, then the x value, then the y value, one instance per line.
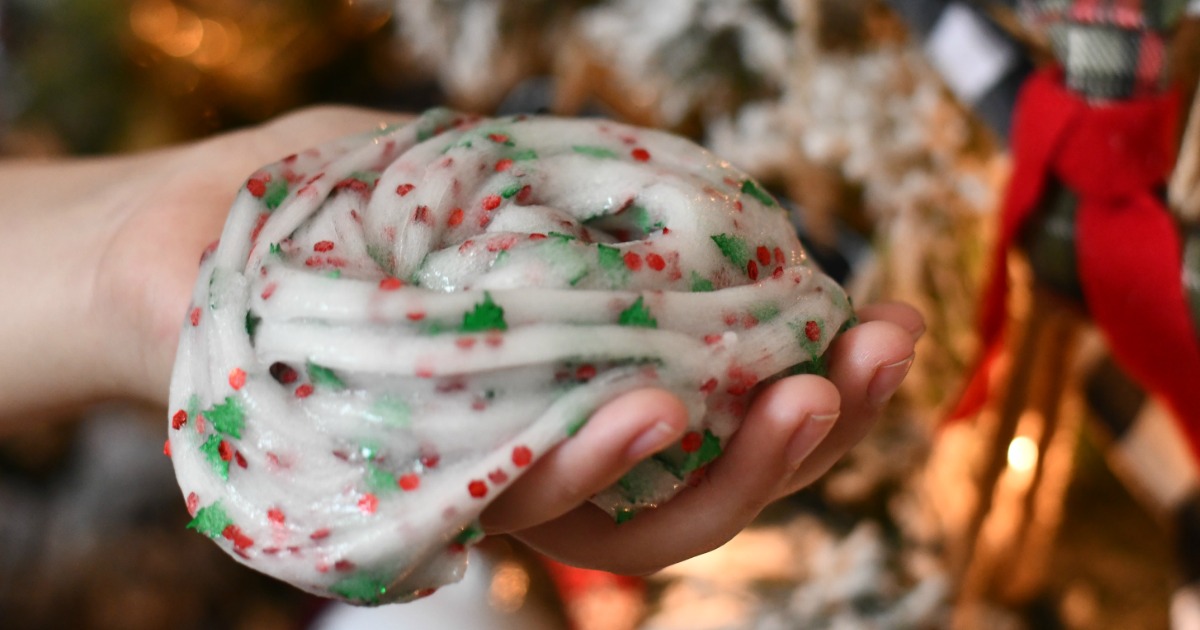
pixel 733 248
pixel 637 315
pixel 212 454
pixel 511 190
pixel 752 189
pixel 193 405
pixel 227 417
pixel 380 255
pixel 578 424
pixel 817 365
pixel 624 515
pixel 335 274
pixel 612 262
pixel 210 520
pixel 561 236
pixel 527 154
pixel 252 322
pixel 360 588
pixel 470 535
pixel 765 312
pixel 594 151
pixel 645 222
pixel 321 375
pixel 391 412
pixel 710 449
pixel 380 480
pixel 275 249
pixel 487 315
pixel 700 284
pixel 277 191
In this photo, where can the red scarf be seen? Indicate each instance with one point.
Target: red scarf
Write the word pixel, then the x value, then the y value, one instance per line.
pixel 1115 157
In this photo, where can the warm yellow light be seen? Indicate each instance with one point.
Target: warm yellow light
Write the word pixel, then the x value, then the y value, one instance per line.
pixel 1022 454
pixel 510 585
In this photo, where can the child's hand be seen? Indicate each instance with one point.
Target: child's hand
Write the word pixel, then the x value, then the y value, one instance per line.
pixel 130 231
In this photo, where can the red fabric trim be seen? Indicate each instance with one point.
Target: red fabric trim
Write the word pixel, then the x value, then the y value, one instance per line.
pixel 1114 157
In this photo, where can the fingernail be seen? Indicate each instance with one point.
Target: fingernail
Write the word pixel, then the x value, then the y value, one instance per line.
pixel 812 430
pixel 887 380
pixel 659 436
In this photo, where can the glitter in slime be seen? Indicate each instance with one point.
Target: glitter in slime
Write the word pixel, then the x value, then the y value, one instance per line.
pixel 395 326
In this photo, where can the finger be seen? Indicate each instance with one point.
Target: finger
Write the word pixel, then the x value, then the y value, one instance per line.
pixel 867 364
pixel 899 313
pixel 620 434
pixel 783 425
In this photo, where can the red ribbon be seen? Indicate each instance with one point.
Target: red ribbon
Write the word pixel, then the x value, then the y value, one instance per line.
pixel 1115 157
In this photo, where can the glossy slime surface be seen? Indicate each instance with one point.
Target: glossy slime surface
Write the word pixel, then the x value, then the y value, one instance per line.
pixel 395 326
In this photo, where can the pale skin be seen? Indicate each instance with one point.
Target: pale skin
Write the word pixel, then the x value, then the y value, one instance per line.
pixel 97 261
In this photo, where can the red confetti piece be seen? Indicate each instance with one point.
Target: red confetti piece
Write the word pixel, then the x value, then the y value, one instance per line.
pixel 241 461
pixel 491 202
pixel 633 261
pixel 283 373
pixel 666 231
pixel 640 154
pixel 179 419
pixel 466 343
pixel 195 316
pixel 240 540
pixel 409 482
pixel 477 488
pixel 193 503
pixel 537 236
pixel 777 273
pixel 368 503
pixel 424 372
pixel 167 447
pixel 656 262
pixel 524 194
pixel 423 593
pixel 431 461
pixel 200 423
pixel 764 255
pixel 313 261
pixel 503 165
pixel 585 372
pixel 404 189
pixel 709 386
pixel 752 270
pixel 390 284
pixel 320 534
pixel 304 391
pixel 522 456
pixel 812 330
pixel 779 260
pixel 257 186
pixel 225 450
pixel 323 246
pixel 498 138
pixel 415 316
pixel 268 291
pixel 713 339
pixel 420 215
pixel 343 566
pixel 691 442
pixel 258 226
pixel 494 340
pixel 275 515
pixel 237 378
pixel 498 476
pixel 455 218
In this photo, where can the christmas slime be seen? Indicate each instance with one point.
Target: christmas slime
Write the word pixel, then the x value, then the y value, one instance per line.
pixel 395 326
